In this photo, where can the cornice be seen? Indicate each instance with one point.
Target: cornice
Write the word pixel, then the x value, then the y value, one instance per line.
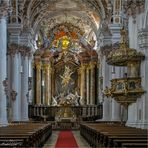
pixel 133 7
pixel 4 10
pixel 15 49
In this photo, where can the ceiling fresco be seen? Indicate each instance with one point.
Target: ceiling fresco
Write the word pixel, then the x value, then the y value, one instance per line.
pixel 44 15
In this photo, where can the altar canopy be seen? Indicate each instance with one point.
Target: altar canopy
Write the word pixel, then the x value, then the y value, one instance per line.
pixel 65 68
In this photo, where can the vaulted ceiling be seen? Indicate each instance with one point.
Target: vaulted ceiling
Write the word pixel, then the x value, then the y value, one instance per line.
pixel 46 14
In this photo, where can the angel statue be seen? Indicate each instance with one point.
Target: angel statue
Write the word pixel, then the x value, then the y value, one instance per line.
pixel 66 76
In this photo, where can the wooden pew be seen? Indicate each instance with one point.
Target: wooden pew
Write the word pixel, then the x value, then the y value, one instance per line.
pixel 119 142
pixel 134 145
pixel 111 135
pixel 24 135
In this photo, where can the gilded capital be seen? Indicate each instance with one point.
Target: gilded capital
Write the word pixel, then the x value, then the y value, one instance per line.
pixel 33 65
pixel 38 66
pixel 16 48
pixel 83 67
pixel 92 65
pixel 46 67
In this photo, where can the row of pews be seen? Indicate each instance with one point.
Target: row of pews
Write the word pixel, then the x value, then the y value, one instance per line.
pixel 24 135
pixel 113 135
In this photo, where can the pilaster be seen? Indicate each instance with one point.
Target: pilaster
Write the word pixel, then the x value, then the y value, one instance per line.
pixel 16 112
pixel 106 101
pixel 87 86
pixel 143 44
pixel 25 91
pixel 83 86
pixel 38 83
pixel 3 72
pixel 92 83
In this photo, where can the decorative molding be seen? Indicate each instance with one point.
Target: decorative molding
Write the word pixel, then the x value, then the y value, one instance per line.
pixel 27 96
pixel 5 84
pixel 133 7
pixel 4 9
pixel 105 50
pixel 143 38
pixel 15 49
pixel 13 95
pixel 29 83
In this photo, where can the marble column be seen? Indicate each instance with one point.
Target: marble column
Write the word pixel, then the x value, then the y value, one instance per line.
pixel 79 80
pixel 143 44
pixel 30 76
pixel 92 83
pixel 16 103
pixel 50 84
pixel 9 70
pixel 87 86
pixel 97 87
pixel 3 74
pixel 116 111
pixel 20 83
pixel 82 90
pixel 38 83
pixel 43 87
pixel 47 78
pixel 106 101
pixel 106 109
pixel 116 107
pixel 24 101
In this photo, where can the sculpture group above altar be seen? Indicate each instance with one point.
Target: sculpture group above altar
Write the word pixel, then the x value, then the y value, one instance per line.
pixel 68 66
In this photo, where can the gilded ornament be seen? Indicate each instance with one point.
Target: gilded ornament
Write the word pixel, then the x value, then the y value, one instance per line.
pixel 123 55
pixel 125 90
pixel 92 65
pixel 38 66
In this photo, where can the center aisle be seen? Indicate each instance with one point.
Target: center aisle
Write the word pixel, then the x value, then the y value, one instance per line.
pixel 51 142
pixel 66 139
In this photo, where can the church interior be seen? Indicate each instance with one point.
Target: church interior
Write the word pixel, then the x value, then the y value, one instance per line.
pixel 74 73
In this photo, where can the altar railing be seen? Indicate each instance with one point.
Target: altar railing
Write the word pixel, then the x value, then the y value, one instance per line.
pixel 40 112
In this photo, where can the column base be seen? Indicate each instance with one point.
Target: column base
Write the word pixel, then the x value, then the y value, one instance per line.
pixel 144 124
pixel 134 124
pixel 106 120
pixel 3 124
pixel 25 119
pixel 116 119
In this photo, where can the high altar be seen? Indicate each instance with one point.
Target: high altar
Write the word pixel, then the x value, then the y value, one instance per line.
pixel 65 74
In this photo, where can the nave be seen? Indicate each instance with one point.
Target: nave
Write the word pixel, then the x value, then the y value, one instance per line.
pixel 90 134
pixel 77 65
